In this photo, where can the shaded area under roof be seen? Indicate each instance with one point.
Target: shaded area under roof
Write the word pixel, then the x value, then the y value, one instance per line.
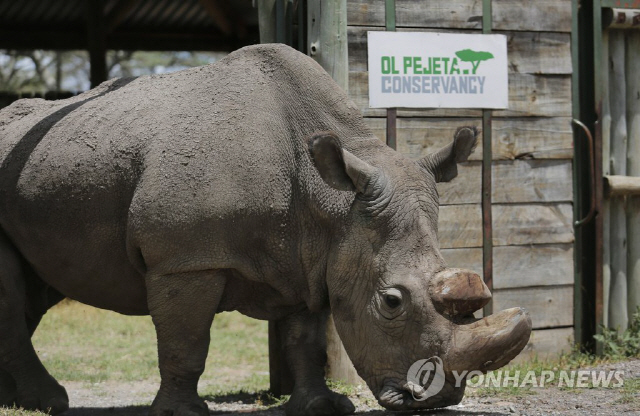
pixel 207 25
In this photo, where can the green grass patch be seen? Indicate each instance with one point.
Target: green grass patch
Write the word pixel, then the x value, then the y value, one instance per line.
pixel 80 343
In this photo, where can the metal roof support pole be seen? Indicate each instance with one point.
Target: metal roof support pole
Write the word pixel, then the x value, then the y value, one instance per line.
pixel 97 41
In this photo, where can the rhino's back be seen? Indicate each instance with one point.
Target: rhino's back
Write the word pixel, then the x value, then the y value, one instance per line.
pixel 184 152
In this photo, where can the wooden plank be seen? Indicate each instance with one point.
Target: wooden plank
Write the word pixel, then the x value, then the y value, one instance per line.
pixel 514 224
pixel 532 224
pixel 536 138
pixel 618 185
pixel 547 343
pixel 519 266
pixel 539 52
pixel 515 181
pixel 633 167
pixel 529 96
pixel 539 15
pixel 460 226
pixel 538 95
pixel 618 315
pixel 418 137
pixel 461 14
pixel 528 52
pixel 533 265
pixel 549 306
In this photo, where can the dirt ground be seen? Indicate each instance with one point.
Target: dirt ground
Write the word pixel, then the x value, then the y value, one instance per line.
pixel 132 399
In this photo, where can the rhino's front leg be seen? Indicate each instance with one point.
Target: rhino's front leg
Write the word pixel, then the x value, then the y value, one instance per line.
pixel 182 307
pixel 305 349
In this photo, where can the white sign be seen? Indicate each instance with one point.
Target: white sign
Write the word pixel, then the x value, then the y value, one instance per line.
pixel 431 70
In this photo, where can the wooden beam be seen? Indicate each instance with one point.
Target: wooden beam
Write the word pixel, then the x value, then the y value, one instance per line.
pixel 97 41
pixel 619 185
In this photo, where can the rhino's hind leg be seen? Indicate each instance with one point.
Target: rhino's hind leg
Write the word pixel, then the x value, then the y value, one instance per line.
pixel 34 387
pixel 8 392
pixel 305 349
pixel 182 307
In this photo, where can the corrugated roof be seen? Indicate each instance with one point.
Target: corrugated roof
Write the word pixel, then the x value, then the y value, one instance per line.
pixel 130 24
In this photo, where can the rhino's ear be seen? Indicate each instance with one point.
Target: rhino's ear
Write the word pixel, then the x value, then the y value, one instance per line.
pixel 339 168
pixel 443 164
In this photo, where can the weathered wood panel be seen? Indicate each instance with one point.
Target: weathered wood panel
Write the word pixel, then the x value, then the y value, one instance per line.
pixel 512 182
pixel 460 226
pixel 535 138
pixel 549 306
pixel 546 343
pixel 528 52
pixel 538 95
pixel 461 14
pixel 417 137
pixel 514 224
pixel 539 52
pixel 532 224
pixel 519 266
pixel 538 15
pixel 529 96
pixel 538 138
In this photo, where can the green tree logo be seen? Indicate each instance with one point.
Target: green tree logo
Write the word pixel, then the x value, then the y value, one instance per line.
pixel 467 55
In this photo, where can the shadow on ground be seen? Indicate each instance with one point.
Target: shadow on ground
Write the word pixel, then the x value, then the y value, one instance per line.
pixel 143 411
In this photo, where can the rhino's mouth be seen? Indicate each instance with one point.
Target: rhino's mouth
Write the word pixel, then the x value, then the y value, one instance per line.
pixel 409 396
pixel 478 345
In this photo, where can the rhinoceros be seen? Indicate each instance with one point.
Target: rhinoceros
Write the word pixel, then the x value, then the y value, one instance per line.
pixel 250 185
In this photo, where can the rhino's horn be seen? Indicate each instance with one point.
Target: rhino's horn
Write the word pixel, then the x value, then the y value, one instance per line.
pixel 489 343
pixel 458 292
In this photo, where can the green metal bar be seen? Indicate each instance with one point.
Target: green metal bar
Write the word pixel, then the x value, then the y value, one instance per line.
pixel 390 23
pixel 487 228
pixel 390 15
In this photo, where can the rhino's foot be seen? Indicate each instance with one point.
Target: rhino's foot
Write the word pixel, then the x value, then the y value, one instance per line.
pixel 167 407
pixel 45 395
pixel 318 402
pixel 7 390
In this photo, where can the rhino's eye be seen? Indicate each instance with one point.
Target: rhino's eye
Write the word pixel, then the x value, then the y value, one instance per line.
pixel 392 301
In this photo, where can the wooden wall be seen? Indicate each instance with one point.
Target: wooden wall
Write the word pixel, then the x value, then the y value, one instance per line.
pixel 532 151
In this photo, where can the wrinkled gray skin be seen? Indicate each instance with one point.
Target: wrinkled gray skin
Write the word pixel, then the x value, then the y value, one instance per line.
pixel 215 189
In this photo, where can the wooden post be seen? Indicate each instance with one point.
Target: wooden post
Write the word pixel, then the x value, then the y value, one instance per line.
pixel 97 41
pixel 327 44
pixel 618 317
pixel 267 20
pixel 633 167
pixel 327 37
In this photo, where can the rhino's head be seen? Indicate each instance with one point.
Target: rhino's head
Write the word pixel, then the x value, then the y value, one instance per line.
pixel 394 300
